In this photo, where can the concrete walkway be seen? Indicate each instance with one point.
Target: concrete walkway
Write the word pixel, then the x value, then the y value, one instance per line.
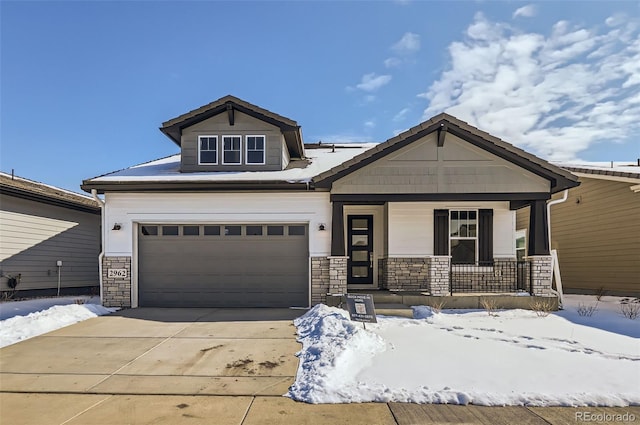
pixel 200 366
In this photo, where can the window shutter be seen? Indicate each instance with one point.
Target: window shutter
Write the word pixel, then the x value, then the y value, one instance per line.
pixel 441 232
pixel 485 236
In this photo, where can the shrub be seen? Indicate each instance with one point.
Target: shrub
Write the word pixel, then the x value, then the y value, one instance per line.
pixel 630 308
pixel 490 305
pixel 600 292
pixel 542 307
pixel 436 306
pixel 587 310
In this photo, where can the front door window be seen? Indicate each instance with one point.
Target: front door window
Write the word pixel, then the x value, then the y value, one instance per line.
pixel 360 252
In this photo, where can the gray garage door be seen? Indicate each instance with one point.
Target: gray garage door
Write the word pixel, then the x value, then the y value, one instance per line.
pixel 257 265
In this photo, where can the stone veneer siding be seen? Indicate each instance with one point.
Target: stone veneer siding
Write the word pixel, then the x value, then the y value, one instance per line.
pixel 116 292
pixel 541 274
pixel 338 275
pixel 439 268
pixel 320 281
pixel 405 274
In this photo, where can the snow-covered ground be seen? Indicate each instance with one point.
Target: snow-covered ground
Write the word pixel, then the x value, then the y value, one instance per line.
pixel 458 357
pixel 20 320
pixel 461 357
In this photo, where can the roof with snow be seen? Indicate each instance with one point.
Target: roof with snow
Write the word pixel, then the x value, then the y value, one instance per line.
pixel 318 159
pixel 29 189
pixel 622 171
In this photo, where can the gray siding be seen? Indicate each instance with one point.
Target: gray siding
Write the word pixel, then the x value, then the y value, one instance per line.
pixel 243 125
pixel 34 235
pixel 597 235
pixel 457 167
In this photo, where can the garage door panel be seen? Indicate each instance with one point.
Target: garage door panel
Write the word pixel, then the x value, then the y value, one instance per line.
pixel 223 271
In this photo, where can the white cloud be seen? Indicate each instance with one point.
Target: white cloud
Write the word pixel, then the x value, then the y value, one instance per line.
pixel 527 11
pixel 401 115
pixel 372 82
pixel 392 62
pixel 408 44
pixel 370 124
pixel 555 94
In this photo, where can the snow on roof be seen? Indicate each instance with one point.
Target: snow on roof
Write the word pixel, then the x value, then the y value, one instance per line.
pixel 318 160
pixel 603 168
pixel 31 186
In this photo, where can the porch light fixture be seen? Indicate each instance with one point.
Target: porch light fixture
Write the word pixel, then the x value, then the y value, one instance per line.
pixel 117 226
pixel 321 227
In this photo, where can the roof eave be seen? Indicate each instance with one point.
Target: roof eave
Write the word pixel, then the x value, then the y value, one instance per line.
pixel 194 186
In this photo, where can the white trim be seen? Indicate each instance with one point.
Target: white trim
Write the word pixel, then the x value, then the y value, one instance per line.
pixel 522 233
pixel 239 151
pixel 606 177
pixel 209 150
pixel 466 238
pixel 264 149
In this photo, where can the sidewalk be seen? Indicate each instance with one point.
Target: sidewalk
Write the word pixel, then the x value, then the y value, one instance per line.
pixel 102 409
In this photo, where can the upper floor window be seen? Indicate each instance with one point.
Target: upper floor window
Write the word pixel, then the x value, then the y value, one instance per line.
pixel 463 237
pixel 255 149
pixel 231 149
pixel 208 149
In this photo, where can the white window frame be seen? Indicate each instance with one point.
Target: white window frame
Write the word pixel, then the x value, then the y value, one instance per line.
pixel 521 234
pixel 209 150
pixel 264 149
pixel 226 136
pixel 474 238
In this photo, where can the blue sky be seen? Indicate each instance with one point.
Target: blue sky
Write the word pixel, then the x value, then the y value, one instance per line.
pixel 85 85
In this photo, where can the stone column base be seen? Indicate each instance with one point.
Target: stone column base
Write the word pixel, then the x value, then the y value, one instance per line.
pixel 439 275
pixel 541 274
pixel 338 275
pixel 116 291
pixel 319 280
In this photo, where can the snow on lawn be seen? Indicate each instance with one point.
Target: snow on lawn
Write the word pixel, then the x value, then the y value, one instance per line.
pixel 462 357
pixel 26 319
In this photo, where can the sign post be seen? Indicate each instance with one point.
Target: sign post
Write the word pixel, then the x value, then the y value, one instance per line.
pixel 361 308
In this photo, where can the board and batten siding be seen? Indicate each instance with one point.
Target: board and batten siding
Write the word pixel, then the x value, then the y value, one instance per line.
pixel 457 167
pixel 34 236
pixel 243 125
pixel 597 235
pixel 128 209
pixel 410 231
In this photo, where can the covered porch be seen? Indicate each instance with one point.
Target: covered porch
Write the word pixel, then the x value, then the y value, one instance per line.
pixel 413 247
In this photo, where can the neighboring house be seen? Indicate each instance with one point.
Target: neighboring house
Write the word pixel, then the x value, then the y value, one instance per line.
pixel 248 215
pixel 40 226
pixel 596 231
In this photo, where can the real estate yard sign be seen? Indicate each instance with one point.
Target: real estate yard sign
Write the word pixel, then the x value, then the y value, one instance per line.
pixel 361 308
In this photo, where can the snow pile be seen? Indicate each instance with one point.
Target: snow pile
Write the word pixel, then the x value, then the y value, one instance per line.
pixel 19 328
pixel 462 357
pixel 335 350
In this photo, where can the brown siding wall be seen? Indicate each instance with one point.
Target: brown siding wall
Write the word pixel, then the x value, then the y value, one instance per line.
pixel 597 235
pixel 33 236
pixel 219 126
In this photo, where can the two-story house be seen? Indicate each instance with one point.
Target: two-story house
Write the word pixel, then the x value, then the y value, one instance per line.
pixel 247 215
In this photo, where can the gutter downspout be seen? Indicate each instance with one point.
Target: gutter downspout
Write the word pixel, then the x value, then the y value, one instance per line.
pixel 554 258
pixel 94 193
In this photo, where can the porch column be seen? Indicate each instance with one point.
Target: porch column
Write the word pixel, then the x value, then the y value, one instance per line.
pixel 337 230
pixel 538 229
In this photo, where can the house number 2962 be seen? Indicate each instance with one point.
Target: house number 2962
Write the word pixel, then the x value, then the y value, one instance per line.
pixel 117 273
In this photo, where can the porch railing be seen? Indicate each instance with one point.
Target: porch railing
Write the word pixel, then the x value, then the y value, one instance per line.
pixel 508 276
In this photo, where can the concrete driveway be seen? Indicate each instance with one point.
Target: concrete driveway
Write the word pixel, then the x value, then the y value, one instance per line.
pixel 199 366
pixel 160 351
